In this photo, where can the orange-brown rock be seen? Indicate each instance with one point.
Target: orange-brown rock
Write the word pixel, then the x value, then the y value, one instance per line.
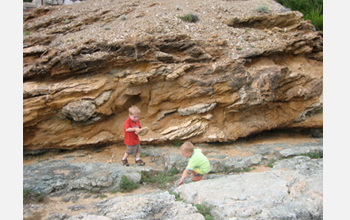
pixel 233 73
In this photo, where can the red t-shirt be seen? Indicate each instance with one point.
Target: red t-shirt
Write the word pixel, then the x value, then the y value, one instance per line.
pixel 130 138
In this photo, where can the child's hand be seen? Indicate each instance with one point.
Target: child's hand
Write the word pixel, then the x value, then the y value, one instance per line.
pixel 137 130
pixel 181 182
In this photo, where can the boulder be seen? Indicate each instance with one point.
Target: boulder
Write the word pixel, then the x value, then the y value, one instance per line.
pixel 293 189
pixel 225 77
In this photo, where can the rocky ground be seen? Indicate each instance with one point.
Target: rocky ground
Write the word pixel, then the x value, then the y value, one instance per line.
pixel 234 73
pixel 86 182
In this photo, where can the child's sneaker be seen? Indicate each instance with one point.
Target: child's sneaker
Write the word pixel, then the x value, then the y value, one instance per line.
pixel 140 162
pixel 125 162
pixel 197 178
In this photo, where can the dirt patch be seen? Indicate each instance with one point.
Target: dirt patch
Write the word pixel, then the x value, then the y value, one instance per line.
pixel 114 153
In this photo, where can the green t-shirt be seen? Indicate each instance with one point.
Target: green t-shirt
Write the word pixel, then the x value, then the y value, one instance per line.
pixel 198 162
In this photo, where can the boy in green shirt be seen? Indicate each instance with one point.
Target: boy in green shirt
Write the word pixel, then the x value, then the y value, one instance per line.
pixel 198 163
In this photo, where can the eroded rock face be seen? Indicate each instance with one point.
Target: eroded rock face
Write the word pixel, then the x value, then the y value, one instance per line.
pixel 226 76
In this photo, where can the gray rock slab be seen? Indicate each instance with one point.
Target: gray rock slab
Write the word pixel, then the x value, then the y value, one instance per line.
pixel 241 162
pixel 160 205
pixel 300 150
pixel 292 190
pixel 64 177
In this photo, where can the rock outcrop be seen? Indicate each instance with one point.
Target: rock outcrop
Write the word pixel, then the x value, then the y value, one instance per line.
pixel 233 73
pixel 295 193
pixel 292 189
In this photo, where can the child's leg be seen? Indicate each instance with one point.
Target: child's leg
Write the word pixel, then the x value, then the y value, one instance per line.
pixel 138 155
pixel 197 176
pixel 124 159
pixel 194 173
pixel 125 156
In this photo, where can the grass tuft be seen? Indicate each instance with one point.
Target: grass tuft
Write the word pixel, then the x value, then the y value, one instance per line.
pixel 127 185
pixel 314 155
pixel 158 178
pixel 262 8
pixel 30 196
pixel 189 17
pixel 271 162
pixel 205 210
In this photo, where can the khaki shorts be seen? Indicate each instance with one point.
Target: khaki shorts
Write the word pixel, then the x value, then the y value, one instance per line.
pixel 131 150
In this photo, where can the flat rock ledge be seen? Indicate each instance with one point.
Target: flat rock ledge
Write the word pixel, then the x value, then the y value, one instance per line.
pixel 61 177
pixel 292 189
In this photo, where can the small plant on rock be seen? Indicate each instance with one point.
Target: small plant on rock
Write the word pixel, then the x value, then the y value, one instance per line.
pixel 158 178
pixel 173 171
pixel 102 196
pixel 270 164
pixel 314 155
pixel 262 8
pixel 31 196
pixel 127 185
pixel 177 195
pixel 177 142
pixel 227 169
pixel 123 17
pixel 247 169
pixel 189 17
pixel 205 210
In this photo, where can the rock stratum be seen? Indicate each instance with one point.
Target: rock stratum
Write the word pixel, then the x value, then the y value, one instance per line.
pixel 233 73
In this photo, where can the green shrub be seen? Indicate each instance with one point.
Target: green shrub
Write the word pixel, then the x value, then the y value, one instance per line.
pixel 316 17
pixel 177 195
pixel 102 196
pixel 205 209
pixel 189 17
pixel 312 10
pixel 247 169
pixel 270 164
pixel 31 196
pixel 173 171
pixel 262 8
pixel 158 178
pixel 177 142
pixel 127 185
pixel 314 155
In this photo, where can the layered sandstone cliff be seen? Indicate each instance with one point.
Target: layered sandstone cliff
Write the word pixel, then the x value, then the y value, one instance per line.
pixel 233 73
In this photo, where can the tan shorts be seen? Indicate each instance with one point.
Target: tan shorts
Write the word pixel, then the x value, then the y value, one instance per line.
pixel 131 150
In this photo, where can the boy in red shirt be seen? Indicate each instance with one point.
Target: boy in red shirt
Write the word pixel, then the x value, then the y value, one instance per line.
pixel 131 140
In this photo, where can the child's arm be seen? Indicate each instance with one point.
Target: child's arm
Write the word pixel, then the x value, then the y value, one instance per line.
pixel 133 129
pixel 184 174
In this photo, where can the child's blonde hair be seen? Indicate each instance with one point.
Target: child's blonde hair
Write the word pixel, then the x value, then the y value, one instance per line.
pixel 187 147
pixel 134 110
